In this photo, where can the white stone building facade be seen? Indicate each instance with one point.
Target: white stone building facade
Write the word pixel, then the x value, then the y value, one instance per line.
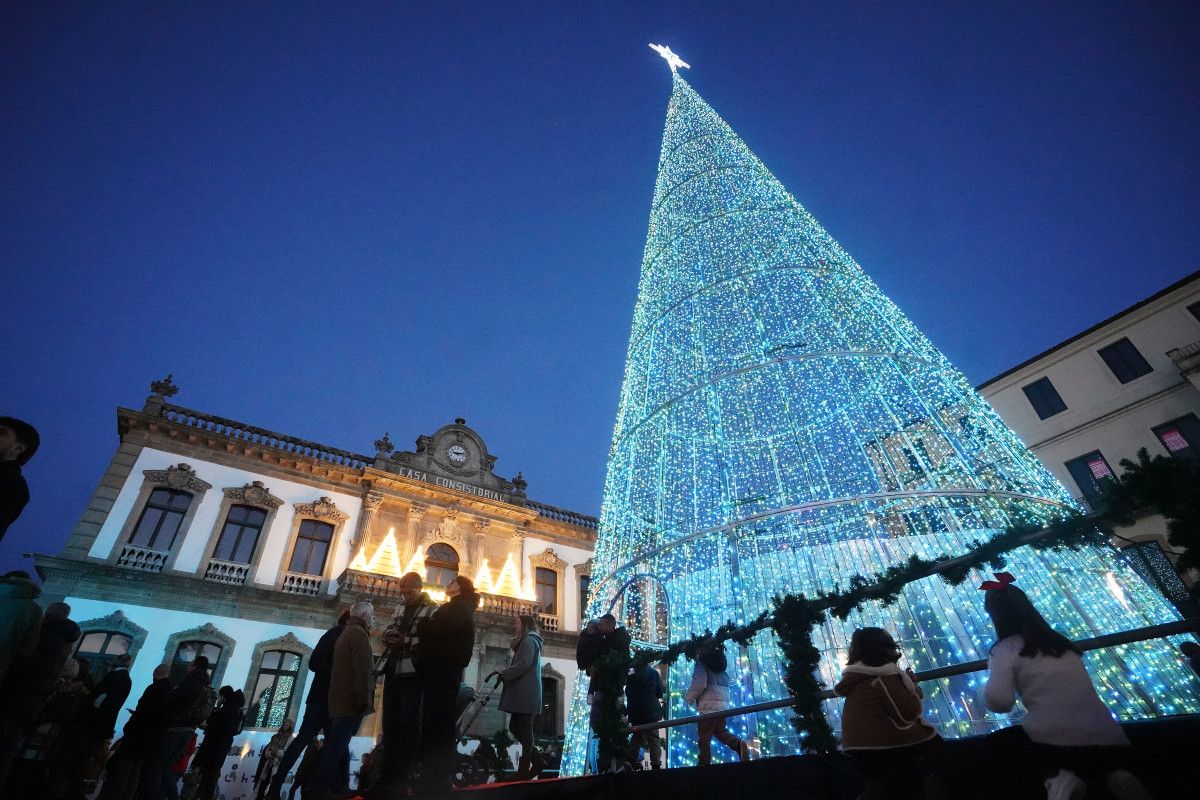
pixel 1129 382
pixel 207 535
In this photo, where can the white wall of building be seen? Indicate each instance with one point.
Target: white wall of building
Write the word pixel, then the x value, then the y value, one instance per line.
pixel 574 556
pixel 196 537
pixel 1102 413
pixel 161 624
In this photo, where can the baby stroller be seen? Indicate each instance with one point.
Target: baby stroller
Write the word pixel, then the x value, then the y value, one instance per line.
pixel 476 768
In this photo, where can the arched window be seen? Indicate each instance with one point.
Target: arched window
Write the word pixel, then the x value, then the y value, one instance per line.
pixel 312 547
pixel 273 688
pixel 101 648
pixel 546 586
pixel 186 653
pixel 160 520
pixel 441 564
pixel 239 536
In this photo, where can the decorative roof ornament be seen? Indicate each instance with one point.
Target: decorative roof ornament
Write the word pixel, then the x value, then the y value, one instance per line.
pixel 384 446
pixel 164 388
pixel 673 61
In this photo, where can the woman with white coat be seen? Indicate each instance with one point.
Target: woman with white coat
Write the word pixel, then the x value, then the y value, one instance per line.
pixel 710 692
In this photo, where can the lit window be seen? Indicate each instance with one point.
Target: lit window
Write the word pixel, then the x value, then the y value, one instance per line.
pixel 441 564
pixel 1125 361
pixel 273 688
pixel 1181 437
pixel 1044 398
pixel 160 520
pixel 546 581
pixel 239 536
pixel 186 653
pixel 312 546
pixel 101 648
pixel 1088 471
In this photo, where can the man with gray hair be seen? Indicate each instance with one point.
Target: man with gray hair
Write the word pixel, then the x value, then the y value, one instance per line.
pixel 351 694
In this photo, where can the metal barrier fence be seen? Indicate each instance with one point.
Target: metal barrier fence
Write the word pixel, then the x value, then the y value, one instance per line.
pixel 1096 643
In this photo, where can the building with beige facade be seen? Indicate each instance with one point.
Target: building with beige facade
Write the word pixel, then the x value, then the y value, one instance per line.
pixel 207 535
pixel 1129 382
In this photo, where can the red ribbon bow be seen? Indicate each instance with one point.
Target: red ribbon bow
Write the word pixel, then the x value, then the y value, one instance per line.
pixel 1003 579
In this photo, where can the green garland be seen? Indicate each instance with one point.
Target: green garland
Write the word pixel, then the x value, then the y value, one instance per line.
pixel 793 618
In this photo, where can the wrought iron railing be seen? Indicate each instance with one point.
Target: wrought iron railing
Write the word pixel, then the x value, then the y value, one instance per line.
pixel 211 423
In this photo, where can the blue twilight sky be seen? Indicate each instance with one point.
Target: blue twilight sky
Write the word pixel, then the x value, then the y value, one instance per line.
pixel 336 219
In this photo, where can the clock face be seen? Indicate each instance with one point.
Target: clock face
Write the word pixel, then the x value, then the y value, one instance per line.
pixel 457 454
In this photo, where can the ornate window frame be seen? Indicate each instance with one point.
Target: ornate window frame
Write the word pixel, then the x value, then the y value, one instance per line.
pixel 322 510
pixel 289 643
pixel 548 559
pixel 255 495
pixel 115 622
pixel 582 571
pixel 180 477
pixel 204 633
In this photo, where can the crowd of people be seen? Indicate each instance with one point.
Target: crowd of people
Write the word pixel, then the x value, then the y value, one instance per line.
pixel 180 732
pixel 1067 736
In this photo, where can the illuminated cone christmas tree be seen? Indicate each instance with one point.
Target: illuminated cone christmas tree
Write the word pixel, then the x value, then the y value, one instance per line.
pixel 783 427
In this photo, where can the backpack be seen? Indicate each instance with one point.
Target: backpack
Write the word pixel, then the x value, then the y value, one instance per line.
pixel 200 707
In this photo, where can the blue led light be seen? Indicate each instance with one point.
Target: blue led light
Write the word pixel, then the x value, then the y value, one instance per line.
pixel 783 427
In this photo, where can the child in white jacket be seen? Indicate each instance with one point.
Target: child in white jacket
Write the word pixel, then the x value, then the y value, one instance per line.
pixel 710 692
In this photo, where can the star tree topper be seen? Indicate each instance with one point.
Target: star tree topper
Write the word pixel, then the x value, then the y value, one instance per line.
pixel 673 61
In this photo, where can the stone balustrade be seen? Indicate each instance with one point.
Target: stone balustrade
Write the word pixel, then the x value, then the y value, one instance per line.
pixel 227 572
pixel 299 583
pixel 143 559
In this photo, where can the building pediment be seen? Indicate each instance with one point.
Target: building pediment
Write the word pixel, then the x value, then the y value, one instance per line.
pixel 454 456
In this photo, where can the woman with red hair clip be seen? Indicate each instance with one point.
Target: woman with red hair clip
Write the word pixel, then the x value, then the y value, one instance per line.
pixel 1071 732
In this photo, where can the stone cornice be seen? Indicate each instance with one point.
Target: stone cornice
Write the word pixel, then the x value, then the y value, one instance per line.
pixel 179 592
pixel 186 441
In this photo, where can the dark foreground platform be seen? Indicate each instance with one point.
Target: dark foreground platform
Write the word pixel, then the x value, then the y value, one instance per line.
pixel 1166 757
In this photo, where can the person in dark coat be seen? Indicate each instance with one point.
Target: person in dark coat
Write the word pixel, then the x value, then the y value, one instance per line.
pixel 158 780
pixel 95 728
pixel 18 442
pixel 351 695
pixel 522 695
pixel 20 618
pixel 403 691
pixel 31 681
pixel 223 724
pixel 644 701
pixel 140 733
pixel 316 707
pixel 447 641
